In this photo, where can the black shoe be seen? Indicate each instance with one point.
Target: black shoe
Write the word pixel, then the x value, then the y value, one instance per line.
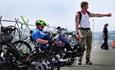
pixel 102 47
pixel 88 62
pixel 106 49
pixel 79 63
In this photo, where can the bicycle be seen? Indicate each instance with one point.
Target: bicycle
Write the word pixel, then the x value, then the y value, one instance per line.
pixel 11 55
pixel 67 48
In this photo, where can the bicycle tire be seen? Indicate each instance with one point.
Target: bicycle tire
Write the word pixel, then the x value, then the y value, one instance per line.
pixel 43 57
pixel 19 44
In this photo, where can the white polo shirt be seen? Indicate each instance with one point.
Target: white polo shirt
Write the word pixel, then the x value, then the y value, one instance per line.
pixel 84 23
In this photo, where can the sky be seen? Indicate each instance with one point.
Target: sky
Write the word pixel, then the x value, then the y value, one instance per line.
pixel 58 12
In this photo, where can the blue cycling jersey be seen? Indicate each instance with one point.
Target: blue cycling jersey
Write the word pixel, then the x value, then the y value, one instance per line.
pixel 38 34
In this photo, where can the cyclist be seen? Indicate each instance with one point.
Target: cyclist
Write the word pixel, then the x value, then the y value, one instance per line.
pixel 39 36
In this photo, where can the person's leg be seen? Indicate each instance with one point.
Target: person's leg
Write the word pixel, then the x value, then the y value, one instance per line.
pixel 81 55
pixel 82 44
pixel 88 47
pixel 106 44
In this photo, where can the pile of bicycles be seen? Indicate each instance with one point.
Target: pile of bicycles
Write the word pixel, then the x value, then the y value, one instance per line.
pixel 18 55
pixel 24 54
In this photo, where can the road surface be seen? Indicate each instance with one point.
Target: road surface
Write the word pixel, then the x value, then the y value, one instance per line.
pixel 102 60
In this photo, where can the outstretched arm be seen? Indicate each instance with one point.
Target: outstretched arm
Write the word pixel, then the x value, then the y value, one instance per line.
pixel 100 15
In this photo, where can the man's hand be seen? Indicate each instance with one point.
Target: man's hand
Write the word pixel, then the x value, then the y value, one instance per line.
pixel 78 36
pixel 108 15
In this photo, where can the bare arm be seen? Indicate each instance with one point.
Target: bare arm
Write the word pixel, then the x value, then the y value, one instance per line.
pixel 41 41
pixel 77 22
pixel 100 15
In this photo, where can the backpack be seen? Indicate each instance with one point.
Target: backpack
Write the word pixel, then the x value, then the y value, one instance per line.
pixel 80 15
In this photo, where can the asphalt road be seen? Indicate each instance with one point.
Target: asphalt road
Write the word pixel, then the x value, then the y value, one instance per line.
pixel 102 60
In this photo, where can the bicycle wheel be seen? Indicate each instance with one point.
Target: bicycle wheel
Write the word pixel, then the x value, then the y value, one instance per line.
pixel 36 66
pixel 43 59
pixel 22 47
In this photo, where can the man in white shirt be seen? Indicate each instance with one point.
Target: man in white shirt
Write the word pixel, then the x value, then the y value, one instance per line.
pixel 84 34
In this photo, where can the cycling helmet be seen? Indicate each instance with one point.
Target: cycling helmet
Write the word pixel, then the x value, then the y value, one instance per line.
pixel 40 22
